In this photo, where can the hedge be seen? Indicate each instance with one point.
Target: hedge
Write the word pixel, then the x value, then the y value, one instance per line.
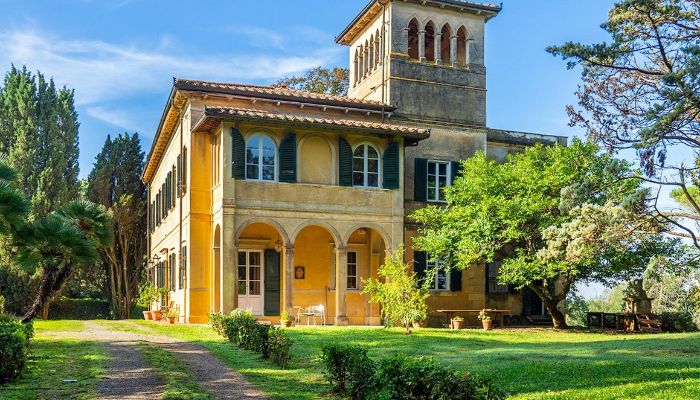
pixel 14 347
pixel 241 329
pixel 80 309
pixel 353 374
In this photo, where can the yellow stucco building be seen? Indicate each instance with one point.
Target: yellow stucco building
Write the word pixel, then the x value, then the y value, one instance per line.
pixel 268 198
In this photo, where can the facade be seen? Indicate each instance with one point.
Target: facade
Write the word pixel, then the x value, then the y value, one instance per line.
pixel 267 198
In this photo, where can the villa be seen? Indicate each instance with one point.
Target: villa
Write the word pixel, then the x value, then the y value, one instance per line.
pixel 267 198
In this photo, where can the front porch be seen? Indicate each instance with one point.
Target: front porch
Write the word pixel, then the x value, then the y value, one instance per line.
pixel 315 266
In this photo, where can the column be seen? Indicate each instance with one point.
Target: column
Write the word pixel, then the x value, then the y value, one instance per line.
pixel 289 279
pixel 341 282
pixel 438 48
pixel 453 50
pixel 421 46
pixel 468 53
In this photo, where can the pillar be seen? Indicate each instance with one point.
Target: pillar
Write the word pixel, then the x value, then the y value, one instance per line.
pixel 341 282
pixel 421 46
pixel 468 53
pixel 453 51
pixel 438 48
pixel 289 279
pixel 229 266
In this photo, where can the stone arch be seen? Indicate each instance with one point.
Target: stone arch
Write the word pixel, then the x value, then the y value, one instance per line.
pixel 429 42
pixel 309 173
pixel 355 68
pixel 372 55
pixel 462 43
pixel 263 220
pixel 378 228
pixel 446 44
pixel 377 49
pixel 413 28
pixel 322 224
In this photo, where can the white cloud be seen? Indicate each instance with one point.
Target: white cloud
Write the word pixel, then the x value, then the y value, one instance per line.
pixel 101 71
pixel 112 116
pixel 258 36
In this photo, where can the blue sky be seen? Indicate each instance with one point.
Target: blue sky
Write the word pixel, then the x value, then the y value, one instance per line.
pixel 121 55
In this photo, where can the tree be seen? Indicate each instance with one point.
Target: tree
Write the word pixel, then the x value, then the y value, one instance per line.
pixel 642 92
pixel 39 133
pixel 69 237
pixel 402 298
pixel 554 216
pixel 334 82
pixel 115 182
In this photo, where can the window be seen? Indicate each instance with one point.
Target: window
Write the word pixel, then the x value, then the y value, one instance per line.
pixel 462 56
pixel 179 175
pixel 160 274
pixel 493 285
pixel 440 278
pixel 352 270
pixel 430 41
pixel 184 170
pixel 365 166
pixel 183 267
pixel 438 173
pixel 446 44
pixel 261 159
pixel 173 188
pixel 413 39
pixel 171 271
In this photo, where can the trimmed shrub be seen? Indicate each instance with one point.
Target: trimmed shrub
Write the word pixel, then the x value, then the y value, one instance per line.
pixel 80 309
pixel 18 287
pixel 349 370
pixel 677 322
pixel 279 347
pixel 241 329
pixel 14 346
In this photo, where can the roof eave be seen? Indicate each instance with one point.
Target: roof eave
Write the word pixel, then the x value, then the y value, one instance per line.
pixel 168 104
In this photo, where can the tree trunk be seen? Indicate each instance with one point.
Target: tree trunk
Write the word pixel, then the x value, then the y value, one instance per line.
pixel 550 302
pixel 52 281
pixel 558 317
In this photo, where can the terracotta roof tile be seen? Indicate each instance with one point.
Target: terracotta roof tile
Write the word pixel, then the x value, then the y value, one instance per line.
pixel 280 93
pixel 242 113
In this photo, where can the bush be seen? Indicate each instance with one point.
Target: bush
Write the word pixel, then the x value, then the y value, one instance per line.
pixel 241 329
pixel 81 309
pixel 14 346
pixel 349 370
pixel 19 289
pixel 279 347
pixel 677 322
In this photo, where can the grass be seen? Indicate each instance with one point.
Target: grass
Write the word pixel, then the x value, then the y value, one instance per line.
pixel 528 364
pixel 41 326
pixel 54 359
pixel 179 382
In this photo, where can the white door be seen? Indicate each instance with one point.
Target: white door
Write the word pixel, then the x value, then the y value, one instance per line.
pixel 250 278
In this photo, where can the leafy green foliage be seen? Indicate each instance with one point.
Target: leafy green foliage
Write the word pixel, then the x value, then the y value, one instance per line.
pixel 349 370
pixel 279 347
pixel 400 296
pixel 334 82
pixel 14 347
pixel 553 215
pixel 79 309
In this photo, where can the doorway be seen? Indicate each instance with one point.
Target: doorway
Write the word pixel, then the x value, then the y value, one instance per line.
pixel 250 278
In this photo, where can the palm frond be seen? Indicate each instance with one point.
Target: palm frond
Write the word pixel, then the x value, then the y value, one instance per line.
pixel 93 219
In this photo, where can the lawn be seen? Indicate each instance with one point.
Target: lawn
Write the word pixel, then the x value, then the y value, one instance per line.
pixel 528 364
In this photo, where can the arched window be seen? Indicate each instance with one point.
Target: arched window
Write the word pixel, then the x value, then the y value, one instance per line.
pixel 362 63
pixel 446 45
pixel 462 46
pixel 371 53
pixel 377 49
pixel 355 69
pixel 413 39
pixel 365 166
pixel 430 41
pixel 366 60
pixel 260 158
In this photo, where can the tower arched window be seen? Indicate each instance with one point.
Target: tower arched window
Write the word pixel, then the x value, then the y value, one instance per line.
pixel 377 49
pixel 462 46
pixel 260 158
pixel 365 166
pixel 355 68
pixel 430 41
pixel 446 44
pixel 366 60
pixel 371 53
pixel 413 39
pixel 362 63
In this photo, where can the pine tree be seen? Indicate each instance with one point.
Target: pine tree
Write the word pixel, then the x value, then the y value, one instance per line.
pixel 115 182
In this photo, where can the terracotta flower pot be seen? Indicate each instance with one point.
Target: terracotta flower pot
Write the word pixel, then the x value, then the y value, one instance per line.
pixel 457 324
pixel 487 324
pixel 171 320
pixel 147 315
pixel 157 315
pixel 286 324
pixel 419 324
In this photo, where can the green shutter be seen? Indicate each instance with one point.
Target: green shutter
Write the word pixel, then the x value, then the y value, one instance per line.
pixel 345 163
pixel 288 159
pixel 420 263
pixel 272 283
pixel 391 166
pixel 456 280
pixel 456 169
pixel 237 154
pixel 420 181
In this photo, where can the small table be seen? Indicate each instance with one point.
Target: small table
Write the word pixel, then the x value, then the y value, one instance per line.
pixel 498 313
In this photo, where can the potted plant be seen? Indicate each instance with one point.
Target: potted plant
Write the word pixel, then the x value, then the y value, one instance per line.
pixel 284 319
pixel 457 322
pixel 160 295
pixel 172 313
pixel 419 318
pixel 485 319
pixel 148 294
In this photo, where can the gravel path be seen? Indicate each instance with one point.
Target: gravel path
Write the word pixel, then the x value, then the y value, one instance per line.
pixel 129 377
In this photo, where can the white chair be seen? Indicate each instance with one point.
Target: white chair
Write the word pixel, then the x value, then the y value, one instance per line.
pixel 313 312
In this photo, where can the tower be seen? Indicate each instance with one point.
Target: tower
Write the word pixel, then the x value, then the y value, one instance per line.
pixel 424 56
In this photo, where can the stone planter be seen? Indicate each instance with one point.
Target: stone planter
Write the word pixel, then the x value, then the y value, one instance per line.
pixel 147 316
pixel 157 315
pixel 487 324
pixel 419 324
pixel 286 323
pixel 457 323
pixel 171 320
